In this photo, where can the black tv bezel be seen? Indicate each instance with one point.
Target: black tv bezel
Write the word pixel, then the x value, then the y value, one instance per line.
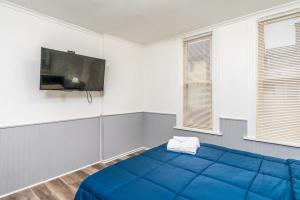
pixel 64 89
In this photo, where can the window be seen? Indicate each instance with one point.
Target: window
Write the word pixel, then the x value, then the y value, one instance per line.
pixel 278 79
pixel 197 83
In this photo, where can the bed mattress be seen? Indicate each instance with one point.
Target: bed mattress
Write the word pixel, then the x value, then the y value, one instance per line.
pixel 214 173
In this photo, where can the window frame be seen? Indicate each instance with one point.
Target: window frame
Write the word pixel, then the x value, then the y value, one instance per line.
pixel 214 77
pixel 253 73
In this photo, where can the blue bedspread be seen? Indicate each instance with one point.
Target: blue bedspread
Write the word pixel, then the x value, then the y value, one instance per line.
pixel 214 173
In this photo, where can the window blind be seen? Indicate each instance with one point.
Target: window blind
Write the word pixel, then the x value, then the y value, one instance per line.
pixel 278 80
pixel 197 89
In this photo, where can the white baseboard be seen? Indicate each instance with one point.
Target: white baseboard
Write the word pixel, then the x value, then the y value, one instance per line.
pixel 64 174
pixel 123 154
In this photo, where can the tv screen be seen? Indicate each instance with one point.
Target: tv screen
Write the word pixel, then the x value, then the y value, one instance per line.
pixel 70 71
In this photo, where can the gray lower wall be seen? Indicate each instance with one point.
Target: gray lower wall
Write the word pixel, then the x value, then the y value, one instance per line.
pixel 158 128
pixel 121 133
pixel 34 153
pixel 30 154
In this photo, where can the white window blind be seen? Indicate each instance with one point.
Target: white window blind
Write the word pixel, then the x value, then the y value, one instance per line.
pixel 278 88
pixel 197 89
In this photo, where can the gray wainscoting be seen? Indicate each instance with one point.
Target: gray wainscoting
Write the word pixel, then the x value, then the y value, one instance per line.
pixel 159 127
pixel 34 153
pixel 121 133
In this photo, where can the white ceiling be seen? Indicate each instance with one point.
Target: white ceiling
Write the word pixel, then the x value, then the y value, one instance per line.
pixel 146 21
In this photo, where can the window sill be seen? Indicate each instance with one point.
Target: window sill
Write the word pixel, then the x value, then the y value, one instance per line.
pixel 198 130
pixel 272 142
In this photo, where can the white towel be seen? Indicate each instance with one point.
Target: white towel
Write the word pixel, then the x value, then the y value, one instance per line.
pixel 188 139
pixel 183 145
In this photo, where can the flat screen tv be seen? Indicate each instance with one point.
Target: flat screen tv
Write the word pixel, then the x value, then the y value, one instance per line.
pixel 70 71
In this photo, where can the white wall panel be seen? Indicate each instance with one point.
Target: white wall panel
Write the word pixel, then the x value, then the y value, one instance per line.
pixel 161 62
pixel 23 33
pixel 21 37
pixel 123 81
pixel 232 54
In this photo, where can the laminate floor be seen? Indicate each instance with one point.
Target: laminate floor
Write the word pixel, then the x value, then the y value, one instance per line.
pixel 64 187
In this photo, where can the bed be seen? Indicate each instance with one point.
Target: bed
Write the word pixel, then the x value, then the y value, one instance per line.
pixel 214 173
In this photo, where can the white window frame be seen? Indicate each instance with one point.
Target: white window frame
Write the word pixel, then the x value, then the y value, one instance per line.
pixel 215 78
pixel 253 70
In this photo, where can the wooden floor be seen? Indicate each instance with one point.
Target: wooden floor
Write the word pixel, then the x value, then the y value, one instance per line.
pixel 63 188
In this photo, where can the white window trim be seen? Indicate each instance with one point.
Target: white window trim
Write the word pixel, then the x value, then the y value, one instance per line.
pixel 272 142
pixel 197 130
pixel 252 82
pixel 252 78
pixel 215 80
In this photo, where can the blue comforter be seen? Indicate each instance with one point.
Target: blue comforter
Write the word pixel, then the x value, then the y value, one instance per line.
pixel 214 173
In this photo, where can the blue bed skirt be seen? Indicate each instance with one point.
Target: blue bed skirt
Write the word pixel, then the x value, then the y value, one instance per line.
pixel 214 173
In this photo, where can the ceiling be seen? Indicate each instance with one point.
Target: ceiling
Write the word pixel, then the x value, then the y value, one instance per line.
pixel 146 21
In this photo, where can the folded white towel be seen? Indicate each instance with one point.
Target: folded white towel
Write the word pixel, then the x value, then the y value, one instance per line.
pixel 183 145
pixel 188 139
pixel 174 144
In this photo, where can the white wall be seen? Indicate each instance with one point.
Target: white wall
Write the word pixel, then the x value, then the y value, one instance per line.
pixel 162 64
pixel 232 56
pixel 160 76
pixel 234 63
pixel 138 78
pixel 123 82
pixel 23 33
